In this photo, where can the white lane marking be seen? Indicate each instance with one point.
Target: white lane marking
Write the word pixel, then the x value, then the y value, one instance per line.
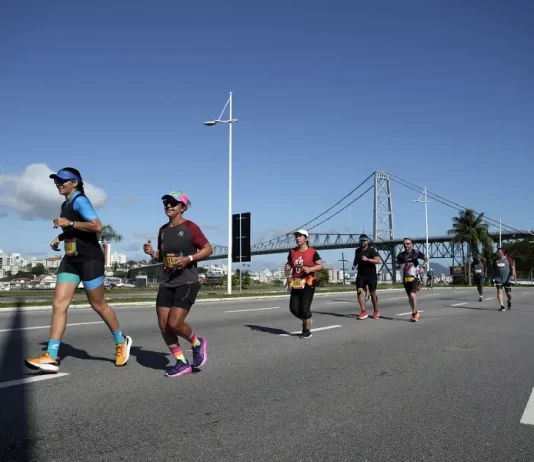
pixel 528 414
pixel 460 304
pixel 312 330
pixel 340 301
pixel 47 327
pixel 491 298
pixel 409 312
pixel 37 378
pixel 254 309
pixel 397 298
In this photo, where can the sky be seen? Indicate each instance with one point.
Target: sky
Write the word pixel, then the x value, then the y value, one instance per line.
pixel 437 93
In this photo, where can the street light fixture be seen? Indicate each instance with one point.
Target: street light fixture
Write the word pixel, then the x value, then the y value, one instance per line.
pixel 425 201
pixel 230 122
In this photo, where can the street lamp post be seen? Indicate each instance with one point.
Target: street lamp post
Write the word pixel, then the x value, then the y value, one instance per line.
pixel 230 122
pixel 425 201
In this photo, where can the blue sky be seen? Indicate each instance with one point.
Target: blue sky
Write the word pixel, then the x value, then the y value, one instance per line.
pixel 437 93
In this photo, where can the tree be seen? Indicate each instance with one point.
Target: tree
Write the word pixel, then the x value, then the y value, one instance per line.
pixel 469 228
pixel 38 269
pixel 522 252
pixel 109 234
pixel 323 277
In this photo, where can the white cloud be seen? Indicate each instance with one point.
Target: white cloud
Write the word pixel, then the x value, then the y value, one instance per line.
pixel 33 195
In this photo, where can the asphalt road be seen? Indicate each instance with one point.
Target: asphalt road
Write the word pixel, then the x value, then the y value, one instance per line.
pixel 453 386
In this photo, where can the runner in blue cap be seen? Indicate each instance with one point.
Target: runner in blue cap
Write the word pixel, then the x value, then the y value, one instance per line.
pixel 83 261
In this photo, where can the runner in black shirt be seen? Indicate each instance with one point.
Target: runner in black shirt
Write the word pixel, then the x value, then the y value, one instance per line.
pixel 366 258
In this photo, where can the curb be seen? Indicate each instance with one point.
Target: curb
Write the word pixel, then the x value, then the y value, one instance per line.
pixel 118 304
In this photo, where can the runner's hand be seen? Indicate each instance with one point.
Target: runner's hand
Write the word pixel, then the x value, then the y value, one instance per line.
pixel 61 222
pixel 181 262
pixel 55 243
pixel 306 269
pixel 147 248
pixel 288 267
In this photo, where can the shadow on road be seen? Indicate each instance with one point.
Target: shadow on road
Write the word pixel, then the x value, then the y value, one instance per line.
pixel 268 330
pixel 66 350
pixel 152 359
pixel 15 433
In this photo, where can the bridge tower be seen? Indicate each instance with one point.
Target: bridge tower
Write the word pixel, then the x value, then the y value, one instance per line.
pixel 383 221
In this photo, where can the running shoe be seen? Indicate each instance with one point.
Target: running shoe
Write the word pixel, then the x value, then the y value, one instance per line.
pixel 200 353
pixel 123 351
pixel 45 363
pixel 180 368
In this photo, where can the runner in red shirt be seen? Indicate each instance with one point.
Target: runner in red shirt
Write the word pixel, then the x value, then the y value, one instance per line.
pixel 303 261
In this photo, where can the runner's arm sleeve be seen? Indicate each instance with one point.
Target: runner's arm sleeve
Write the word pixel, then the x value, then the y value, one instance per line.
pixel 316 257
pixel 289 259
pixel 83 206
pixel 199 240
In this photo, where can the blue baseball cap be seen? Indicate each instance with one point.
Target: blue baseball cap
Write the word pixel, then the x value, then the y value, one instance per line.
pixel 65 175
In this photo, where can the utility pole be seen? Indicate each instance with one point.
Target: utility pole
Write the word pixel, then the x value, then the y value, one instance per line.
pixel 343 262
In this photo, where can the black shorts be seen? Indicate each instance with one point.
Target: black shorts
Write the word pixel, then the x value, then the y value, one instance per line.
pixel 411 286
pixel 507 286
pixel 362 281
pixel 300 301
pixel 90 272
pixel 183 296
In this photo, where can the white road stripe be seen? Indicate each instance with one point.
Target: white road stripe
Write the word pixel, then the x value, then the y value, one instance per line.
pixel 47 327
pixel 397 298
pixel 340 301
pixel 312 330
pixel 409 312
pixel 254 309
pixel 460 304
pixel 36 378
pixel 528 414
pixel 491 298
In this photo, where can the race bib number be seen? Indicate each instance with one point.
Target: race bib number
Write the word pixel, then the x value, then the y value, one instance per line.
pixel 297 283
pixel 70 247
pixel 478 271
pixel 408 279
pixel 170 260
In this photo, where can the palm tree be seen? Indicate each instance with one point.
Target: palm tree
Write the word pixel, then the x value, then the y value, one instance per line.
pixel 108 235
pixel 468 227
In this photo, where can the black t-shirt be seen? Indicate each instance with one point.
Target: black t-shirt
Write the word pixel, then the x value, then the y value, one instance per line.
pixel 366 269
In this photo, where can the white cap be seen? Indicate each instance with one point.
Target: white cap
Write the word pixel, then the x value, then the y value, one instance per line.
pixel 302 231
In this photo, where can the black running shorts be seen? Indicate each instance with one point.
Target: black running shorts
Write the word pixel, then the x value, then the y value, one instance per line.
pixel 182 296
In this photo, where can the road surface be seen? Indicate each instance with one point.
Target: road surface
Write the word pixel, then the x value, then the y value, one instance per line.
pixel 454 386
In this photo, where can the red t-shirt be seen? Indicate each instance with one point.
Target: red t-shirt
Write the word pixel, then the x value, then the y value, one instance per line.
pixel 298 260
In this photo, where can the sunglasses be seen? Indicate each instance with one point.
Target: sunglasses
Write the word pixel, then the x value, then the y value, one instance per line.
pixel 59 181
pixel 171 202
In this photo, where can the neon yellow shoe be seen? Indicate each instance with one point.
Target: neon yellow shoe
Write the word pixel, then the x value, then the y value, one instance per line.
pixel 45 362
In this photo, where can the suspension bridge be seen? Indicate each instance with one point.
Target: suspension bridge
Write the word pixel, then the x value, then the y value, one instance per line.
pixel 383 235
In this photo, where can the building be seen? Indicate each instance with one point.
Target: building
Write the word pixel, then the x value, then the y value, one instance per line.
pixel 106 248
pixel 53 262
pixel 118 258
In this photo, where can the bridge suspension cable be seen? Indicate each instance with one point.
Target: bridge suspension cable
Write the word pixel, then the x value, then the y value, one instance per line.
pixel 449 203
pixel 344 208
pixel 328 210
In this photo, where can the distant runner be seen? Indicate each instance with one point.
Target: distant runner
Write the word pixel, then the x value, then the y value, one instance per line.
pixel 303 262
pixel 480 272
pixel 408 260
pixel 430 278
pixel 503 274
pixel 365 260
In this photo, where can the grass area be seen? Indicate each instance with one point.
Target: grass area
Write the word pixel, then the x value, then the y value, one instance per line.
pixel 145 295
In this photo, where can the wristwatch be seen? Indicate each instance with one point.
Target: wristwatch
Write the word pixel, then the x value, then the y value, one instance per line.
pixel 71 224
